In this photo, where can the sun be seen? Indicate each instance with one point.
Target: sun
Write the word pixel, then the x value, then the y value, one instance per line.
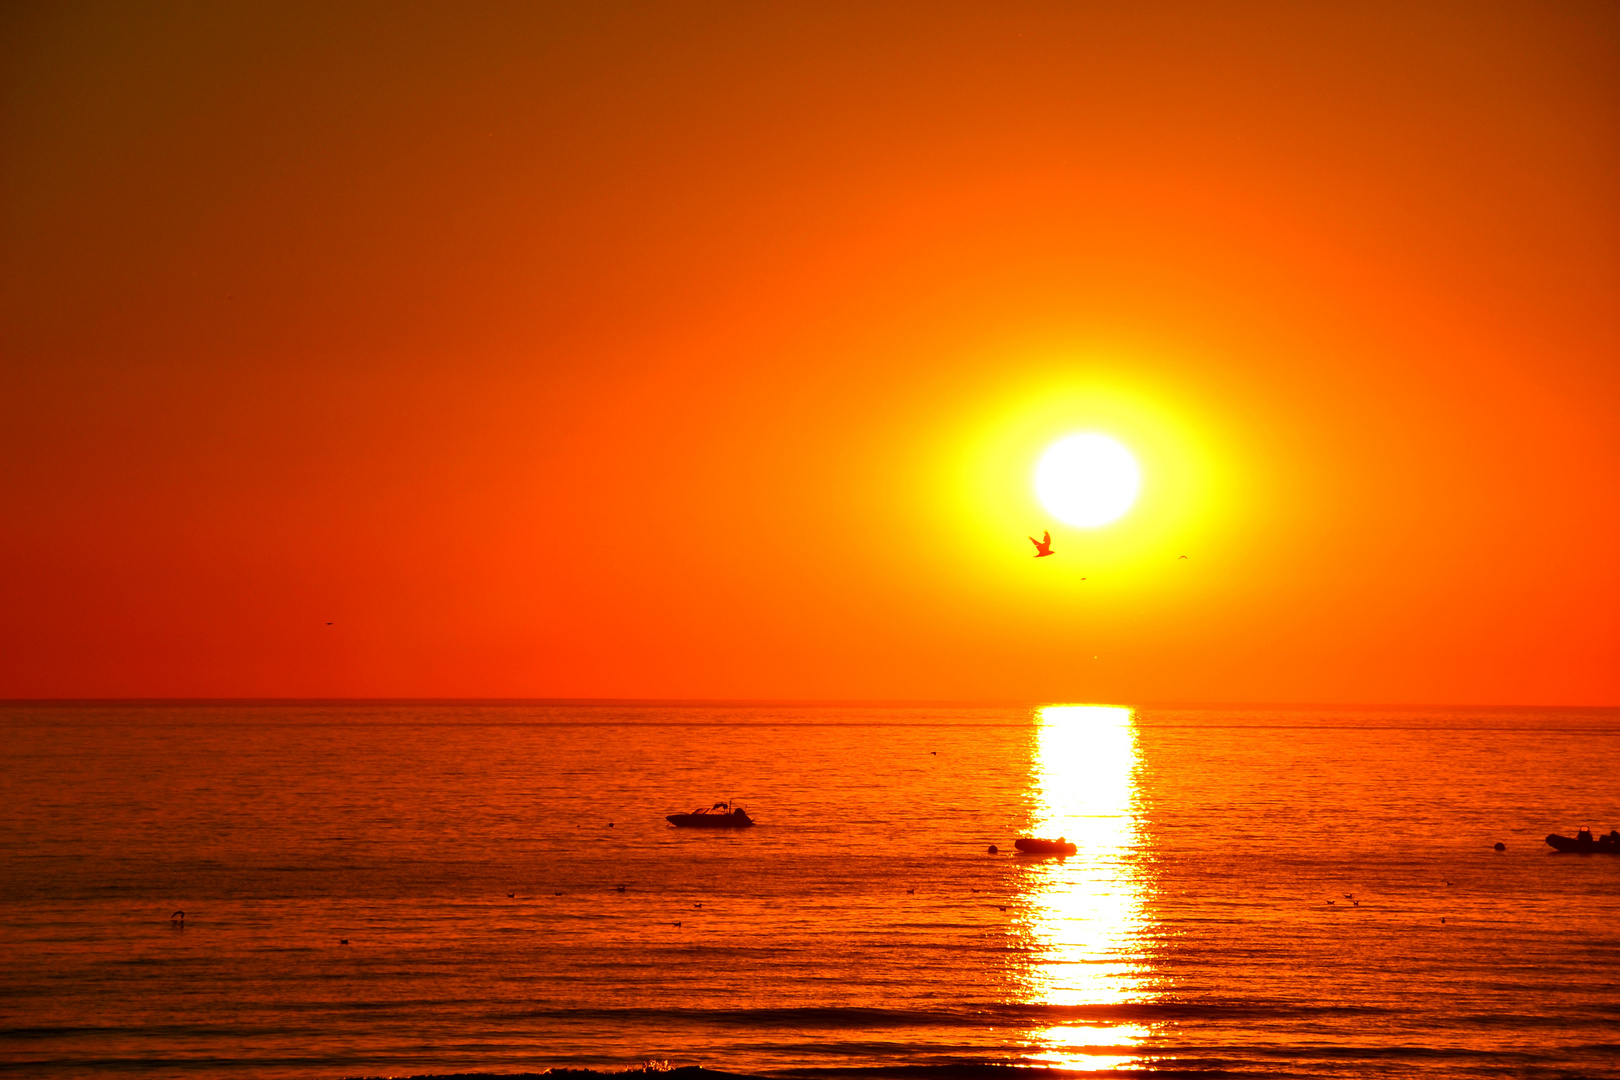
pixel 1087 479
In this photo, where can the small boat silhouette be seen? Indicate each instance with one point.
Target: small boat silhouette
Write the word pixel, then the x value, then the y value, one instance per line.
pixel 719 816
pixel 1031 845
pixel 1584 842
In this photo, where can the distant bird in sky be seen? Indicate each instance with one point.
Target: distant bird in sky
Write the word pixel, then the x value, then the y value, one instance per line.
pixel 1181 556
pixel 1043 546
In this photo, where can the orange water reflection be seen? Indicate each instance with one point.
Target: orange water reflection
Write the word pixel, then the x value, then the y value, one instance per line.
pixel 1085 914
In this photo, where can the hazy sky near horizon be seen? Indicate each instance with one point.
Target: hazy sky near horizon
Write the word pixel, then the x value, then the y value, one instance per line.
pixel 705 350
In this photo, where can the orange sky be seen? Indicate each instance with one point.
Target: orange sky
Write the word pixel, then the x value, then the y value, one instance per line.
pixel 703 350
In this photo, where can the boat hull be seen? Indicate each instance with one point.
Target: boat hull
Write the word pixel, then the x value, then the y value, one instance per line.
pixel 709 821
pixel 1583 847
pixel 1035 846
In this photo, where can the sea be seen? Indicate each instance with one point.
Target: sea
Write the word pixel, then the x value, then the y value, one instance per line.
pixel 405 890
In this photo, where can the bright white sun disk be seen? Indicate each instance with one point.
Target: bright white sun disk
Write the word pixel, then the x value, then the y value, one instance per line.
pixel 1087 479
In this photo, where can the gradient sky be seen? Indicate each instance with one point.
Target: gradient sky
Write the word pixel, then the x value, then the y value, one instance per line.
pixel 705 350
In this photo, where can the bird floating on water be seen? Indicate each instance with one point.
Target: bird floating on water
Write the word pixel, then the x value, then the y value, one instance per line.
pixel 1043 546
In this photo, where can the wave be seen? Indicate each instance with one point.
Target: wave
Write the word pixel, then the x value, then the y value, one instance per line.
pixel 1033 1015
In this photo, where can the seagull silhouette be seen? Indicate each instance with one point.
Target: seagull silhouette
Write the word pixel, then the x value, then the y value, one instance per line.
pixel 1043 546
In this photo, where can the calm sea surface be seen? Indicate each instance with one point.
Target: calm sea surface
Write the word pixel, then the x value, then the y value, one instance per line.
pixel 1280 893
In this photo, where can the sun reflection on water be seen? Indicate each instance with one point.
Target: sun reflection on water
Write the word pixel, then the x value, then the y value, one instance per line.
pixel 1085 913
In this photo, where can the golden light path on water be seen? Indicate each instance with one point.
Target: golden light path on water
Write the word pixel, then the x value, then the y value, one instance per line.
pixel 1086 911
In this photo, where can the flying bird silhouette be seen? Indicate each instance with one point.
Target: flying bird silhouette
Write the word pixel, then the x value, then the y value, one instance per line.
pixel 1043 546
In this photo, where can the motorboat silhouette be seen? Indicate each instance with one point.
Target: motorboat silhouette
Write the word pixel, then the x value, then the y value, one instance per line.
pixel 1031 845
pixel 719 816
pixel 1584 842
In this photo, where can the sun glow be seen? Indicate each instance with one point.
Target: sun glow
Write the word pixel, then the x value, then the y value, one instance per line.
pixel 1087 480
pixel 1171 492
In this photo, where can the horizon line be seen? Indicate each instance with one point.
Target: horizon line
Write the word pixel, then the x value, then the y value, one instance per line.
pixel 670 702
